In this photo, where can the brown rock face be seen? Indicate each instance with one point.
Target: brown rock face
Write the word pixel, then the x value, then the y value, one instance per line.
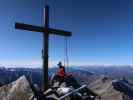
pixel 107 91
pixel 17 90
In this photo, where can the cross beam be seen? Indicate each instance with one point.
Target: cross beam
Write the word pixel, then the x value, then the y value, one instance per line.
pixel 41 29
pixel 46 31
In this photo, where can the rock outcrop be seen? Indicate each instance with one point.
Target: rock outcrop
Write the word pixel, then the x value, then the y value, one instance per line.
pixel 17 90
pixel 106 89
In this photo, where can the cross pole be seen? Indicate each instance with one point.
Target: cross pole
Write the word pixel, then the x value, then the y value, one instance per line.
pixel 46 30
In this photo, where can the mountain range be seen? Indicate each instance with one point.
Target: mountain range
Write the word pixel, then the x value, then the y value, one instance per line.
pixel 111 83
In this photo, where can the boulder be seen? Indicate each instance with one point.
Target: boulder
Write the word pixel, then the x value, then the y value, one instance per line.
pixel 17 90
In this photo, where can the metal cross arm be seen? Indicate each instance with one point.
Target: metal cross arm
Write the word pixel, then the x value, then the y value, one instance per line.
pixel 41 29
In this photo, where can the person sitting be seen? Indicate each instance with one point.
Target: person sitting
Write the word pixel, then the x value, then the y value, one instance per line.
pixel 61 70
pixel 60 75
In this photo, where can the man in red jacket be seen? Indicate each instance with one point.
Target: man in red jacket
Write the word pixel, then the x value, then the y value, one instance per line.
pixel 61 70
pixel 60 74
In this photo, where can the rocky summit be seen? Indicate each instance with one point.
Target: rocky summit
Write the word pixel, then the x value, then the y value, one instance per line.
pixel 17 90
pixel 104 86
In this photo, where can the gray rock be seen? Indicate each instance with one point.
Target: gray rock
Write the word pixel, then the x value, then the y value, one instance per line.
pixel 107 91
pixel 17 90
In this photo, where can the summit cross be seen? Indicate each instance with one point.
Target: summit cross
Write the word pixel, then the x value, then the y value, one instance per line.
pixel 46 30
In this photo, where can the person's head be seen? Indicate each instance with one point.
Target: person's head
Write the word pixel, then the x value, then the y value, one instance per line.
pixel 60 64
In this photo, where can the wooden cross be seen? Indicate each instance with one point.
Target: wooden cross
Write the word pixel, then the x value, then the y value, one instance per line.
pixel 46 30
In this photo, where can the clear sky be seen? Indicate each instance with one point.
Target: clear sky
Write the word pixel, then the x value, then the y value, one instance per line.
pixel 102 32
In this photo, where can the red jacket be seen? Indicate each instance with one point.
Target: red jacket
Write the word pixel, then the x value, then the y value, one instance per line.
pixel 61 72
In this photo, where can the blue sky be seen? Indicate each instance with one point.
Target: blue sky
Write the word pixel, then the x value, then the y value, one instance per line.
pixel 102 32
